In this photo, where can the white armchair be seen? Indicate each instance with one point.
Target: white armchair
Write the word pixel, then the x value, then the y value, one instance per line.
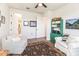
pixel 73 43
pixel 14 45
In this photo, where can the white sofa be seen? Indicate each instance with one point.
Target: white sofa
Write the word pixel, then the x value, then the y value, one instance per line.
pixel 70 47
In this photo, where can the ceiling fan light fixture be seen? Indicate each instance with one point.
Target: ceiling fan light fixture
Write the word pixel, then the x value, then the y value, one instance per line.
pixel 40 4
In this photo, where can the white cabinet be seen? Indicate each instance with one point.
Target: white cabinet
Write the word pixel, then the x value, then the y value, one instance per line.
pixel 70 48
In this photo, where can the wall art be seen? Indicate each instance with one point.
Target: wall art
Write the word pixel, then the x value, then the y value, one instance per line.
pixel 26 23
pixel 72 23
pixel 33 23
pixel 2 19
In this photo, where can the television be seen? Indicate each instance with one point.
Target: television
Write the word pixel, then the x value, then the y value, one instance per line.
pixel 72 23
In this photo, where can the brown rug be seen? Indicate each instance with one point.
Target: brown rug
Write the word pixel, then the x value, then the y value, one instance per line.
pixel 42 48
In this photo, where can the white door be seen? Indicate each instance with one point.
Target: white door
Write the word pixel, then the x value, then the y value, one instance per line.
pixel 40 27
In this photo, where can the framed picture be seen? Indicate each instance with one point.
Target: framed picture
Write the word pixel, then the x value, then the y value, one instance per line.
pixel 26 23
pixel 72 23
pixel 33 23
pixel 0 23
pixel 3 19
pixel 0 16
pixel 0 12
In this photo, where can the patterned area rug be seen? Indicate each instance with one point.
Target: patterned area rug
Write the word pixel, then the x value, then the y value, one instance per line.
pixel 42 48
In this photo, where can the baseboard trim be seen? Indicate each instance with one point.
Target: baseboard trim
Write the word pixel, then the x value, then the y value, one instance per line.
pixel 39 38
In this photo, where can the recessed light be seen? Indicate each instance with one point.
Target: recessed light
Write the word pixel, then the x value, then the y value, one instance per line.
pixel 27 8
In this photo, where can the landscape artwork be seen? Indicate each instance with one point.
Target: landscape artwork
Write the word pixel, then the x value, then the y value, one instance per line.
pixel 72 24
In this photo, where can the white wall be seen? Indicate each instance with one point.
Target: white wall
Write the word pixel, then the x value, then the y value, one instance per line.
pixel 4 27
pixel 67 11
pixel 47 19
pixel 30 32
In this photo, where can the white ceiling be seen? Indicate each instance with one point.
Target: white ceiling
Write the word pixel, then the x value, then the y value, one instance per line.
pixel 23 6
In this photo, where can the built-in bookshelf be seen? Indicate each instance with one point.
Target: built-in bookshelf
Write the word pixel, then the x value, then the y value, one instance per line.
pixel 56 28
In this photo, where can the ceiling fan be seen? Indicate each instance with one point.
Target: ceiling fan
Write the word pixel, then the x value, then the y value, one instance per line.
pixel 40 5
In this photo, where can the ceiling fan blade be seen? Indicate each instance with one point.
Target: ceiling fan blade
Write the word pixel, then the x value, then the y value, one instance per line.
pixel 36 6
pixel 44 5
